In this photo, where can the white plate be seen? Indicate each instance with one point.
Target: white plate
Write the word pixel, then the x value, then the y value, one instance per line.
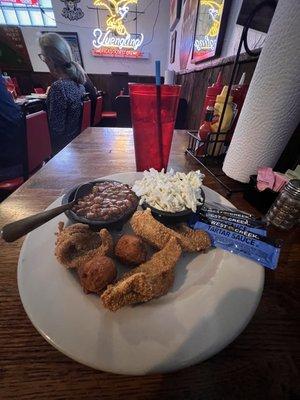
pixel 42 96
pixel 213 298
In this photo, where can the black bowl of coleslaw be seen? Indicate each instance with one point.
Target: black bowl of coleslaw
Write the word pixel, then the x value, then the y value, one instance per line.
pixel 172 218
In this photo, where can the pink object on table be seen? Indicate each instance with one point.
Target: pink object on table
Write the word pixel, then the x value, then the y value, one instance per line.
pixel 265 178
pixel 280 181
pixel 268 179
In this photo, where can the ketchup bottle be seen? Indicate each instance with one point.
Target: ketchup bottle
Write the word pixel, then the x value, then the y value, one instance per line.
pixel 239 92
pixel 211 95
pixel 205 129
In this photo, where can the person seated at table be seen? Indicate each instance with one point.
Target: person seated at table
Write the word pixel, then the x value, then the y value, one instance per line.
pixel 12 135
pixel 64 100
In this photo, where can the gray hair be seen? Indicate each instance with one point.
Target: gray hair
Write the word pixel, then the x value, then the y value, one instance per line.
pixel 59 52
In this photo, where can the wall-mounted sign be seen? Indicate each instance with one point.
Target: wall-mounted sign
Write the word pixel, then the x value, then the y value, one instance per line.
pixel 175 10
pixel 187 31
pixel 13 51
pixel 26 2
pixel 73 41
pixel 173 47
pixel 115 40
pixel 207 42
pixel 71 11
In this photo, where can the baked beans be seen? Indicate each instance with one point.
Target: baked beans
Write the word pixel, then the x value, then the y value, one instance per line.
pixel 107 201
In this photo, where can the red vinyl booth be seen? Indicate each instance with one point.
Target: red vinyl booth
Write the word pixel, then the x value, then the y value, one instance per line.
pixel 98 111
pixel 39 90
pixel 86 115
pixel 38 140
pixel 17 87
pixel 38 148
pixel 11 87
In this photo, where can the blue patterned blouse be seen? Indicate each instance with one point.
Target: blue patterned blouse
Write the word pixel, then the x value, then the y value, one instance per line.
pixel 64 107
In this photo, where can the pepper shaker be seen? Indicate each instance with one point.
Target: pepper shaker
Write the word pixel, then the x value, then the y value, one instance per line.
pixel 285 211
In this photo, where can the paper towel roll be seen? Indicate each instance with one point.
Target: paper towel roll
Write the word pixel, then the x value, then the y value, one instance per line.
pixel 169 77
pixel 272 107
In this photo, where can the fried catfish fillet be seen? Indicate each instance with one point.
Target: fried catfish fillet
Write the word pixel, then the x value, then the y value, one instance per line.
pixel 157 234
pixel 196 240
pixel 150 280
pixel 77 244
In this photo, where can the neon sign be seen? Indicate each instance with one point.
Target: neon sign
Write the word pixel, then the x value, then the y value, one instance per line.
pixel 118 9
pixel 116 41
pixel 205 43
pixel 124 53
pixel 208 28
pixel 110 40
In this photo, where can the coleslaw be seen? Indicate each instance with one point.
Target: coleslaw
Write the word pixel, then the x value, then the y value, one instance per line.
pixel 170 191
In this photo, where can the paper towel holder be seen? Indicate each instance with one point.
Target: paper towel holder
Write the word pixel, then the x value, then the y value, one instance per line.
pixel 243 41
pixel 251 53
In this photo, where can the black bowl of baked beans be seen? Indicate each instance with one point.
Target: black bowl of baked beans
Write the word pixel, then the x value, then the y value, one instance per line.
pixel 106 204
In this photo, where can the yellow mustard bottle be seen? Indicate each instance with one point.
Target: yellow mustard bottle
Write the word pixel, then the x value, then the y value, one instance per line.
pixel 219 105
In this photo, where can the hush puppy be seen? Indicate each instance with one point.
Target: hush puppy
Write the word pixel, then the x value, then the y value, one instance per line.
pixel 131 250
pixel 97 273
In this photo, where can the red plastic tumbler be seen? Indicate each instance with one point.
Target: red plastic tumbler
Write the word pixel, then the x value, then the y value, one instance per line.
pixel 153 138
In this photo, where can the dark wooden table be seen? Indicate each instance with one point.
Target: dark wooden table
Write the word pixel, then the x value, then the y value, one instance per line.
pixel 260 364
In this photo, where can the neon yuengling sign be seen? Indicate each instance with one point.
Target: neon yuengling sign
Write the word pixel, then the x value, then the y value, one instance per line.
pixel 116 41
pixel 108 39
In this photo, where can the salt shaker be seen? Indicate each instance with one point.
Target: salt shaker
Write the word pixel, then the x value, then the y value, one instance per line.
pixel 285 211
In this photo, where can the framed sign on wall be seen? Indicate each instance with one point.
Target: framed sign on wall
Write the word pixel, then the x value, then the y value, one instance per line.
pixel 210 29
pixel 13 50
pixel 175 11
pixel 72 39
pixel 187 31
pixel 24 2
pixel 173 47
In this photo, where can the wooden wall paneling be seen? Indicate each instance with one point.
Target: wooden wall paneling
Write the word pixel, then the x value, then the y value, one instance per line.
pixel 42 79
pixel 113 84
pixel 110 84
pixel 29 80
pixel 195 83
pixel 198 92
pixel 249 68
